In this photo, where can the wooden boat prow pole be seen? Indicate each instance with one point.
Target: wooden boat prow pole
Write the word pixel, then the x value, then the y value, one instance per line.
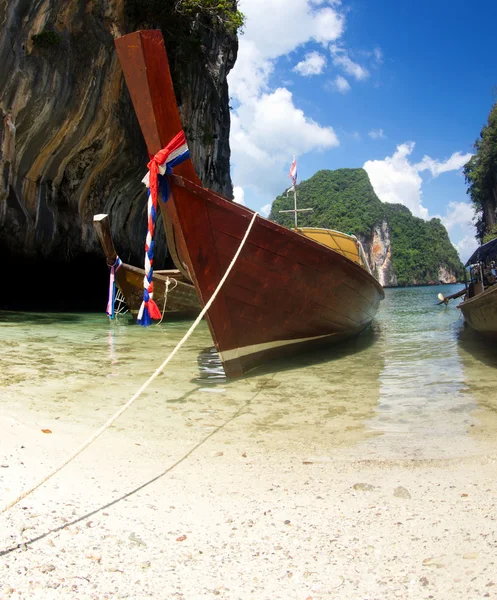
pixel 286 292
pixel 146 69
pixel 175 295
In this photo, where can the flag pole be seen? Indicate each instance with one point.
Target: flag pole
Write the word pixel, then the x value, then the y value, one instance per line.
pixel 293 177
pixel 295 202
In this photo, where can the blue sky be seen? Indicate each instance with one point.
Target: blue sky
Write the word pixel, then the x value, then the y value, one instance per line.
pixel 399 88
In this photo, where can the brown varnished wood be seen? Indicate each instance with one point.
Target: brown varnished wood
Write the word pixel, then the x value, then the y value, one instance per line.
pixel 480 312
pixel 284 286
pixel 146 70
pixel 182 299
pixel 300 288
pixel 101 224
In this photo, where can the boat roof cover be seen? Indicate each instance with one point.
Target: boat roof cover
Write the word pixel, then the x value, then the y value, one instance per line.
pixel 488 250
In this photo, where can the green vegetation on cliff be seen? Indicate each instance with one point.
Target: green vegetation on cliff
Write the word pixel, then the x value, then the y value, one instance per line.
pixel 345 200
pixel 179 19
pixel 481 177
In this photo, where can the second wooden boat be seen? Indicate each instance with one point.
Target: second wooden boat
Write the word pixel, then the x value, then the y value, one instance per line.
pixel 480 303
pixel 175 296
pixel 286 292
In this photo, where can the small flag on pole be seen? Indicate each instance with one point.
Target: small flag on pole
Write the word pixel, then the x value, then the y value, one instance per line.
pixel 293 171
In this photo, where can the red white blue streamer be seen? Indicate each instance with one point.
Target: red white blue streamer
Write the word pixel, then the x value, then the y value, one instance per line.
pixel 112 287
pixel 293 171
pixel 159 166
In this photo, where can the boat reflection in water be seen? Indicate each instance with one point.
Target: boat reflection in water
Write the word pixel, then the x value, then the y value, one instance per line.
pixel 479 360
pixel 311 402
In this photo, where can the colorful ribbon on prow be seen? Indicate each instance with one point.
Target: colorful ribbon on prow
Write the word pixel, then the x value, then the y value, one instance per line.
pixel 159 166
pixel 112 287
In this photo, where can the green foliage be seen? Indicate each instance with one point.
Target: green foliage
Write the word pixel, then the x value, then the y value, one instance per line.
pixel 180 20
pixel 47 39
pixel 342 199
pixel 224 11
pixel 481 176
pixel 345 200
pixel 490 235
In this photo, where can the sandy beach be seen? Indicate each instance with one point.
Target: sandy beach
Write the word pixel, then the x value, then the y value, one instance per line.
pixel 203 506
pixel 363 474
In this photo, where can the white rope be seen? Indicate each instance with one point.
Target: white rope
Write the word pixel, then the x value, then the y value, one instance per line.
pixel 143 387
pixel 168 281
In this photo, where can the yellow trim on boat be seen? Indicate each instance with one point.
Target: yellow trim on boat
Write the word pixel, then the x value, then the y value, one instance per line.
pixel 347 245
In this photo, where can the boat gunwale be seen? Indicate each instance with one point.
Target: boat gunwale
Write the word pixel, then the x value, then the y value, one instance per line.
pixel 486 293
pixel 230 205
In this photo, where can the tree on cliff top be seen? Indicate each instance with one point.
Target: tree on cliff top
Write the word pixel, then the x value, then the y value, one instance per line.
pixel 481 177
pixel 178 18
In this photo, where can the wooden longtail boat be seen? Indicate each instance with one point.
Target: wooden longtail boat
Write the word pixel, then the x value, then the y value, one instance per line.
pixel 174 295
pixel 286 292
pixel 480 303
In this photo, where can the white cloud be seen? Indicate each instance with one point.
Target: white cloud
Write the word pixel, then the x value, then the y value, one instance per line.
pixel 458 221
pixel 455 162
pixel 239 195
pixel 397 180
pixel 313 64
pixel 341 84
pixel 377 134
pixel 265 210
pixel 266 126
pixel 264 136
pixel 277 27
pixel 458 214
pixel 341 59
pixel 466 246
pixel 378 55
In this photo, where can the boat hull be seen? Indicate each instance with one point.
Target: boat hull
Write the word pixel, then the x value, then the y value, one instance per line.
pixel 286 292
pixel 480 312
pixel 180 299
pixel 173 294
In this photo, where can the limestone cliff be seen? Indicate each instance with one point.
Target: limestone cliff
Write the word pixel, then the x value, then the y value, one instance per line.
pixel 380 254
pixel 70 145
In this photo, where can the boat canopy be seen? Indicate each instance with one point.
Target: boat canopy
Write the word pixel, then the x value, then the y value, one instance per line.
pixel 488 250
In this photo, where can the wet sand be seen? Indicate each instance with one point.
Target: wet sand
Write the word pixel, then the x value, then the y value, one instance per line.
pixel 339 476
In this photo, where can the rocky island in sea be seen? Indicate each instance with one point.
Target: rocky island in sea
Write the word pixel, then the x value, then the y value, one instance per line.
pixel 402 249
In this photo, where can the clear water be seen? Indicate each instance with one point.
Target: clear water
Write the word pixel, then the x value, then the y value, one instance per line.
pixel 417 384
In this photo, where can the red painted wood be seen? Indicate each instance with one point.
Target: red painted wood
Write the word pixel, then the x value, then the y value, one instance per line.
pixel 299 288
pixel 146 70
pixel 284 286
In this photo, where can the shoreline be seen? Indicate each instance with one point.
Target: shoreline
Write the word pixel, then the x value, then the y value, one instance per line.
pixel 213 511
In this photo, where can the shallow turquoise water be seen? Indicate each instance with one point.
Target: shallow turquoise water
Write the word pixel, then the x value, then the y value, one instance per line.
pixel 416 384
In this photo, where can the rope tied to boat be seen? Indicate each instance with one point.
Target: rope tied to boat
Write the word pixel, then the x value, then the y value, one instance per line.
pixel 112 287
pixel 158 371
pixel 166 292
pixel 160 165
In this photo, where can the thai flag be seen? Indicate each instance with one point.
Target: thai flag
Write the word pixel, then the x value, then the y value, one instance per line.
pixel 293 171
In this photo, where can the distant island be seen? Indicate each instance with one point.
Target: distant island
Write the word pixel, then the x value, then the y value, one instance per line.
pixel 402 249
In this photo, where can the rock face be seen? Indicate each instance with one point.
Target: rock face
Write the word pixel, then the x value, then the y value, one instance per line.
pixel 445 275
pixel 70 144
pixel 380 255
